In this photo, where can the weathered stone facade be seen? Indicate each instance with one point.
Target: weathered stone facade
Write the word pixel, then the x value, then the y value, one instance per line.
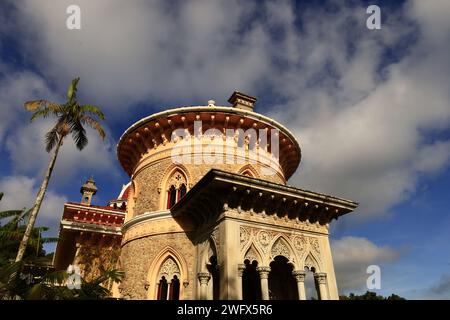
pixel 196 229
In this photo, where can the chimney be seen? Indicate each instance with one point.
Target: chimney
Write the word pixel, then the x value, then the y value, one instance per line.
pixel 242 101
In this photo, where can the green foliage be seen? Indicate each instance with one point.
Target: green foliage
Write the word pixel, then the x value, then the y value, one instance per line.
pixel 21 281
pixel 12 228
pixel 71 117
pixel 34 277
pixel 369 295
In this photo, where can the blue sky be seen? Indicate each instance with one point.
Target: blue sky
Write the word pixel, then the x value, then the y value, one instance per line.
pixel 370 108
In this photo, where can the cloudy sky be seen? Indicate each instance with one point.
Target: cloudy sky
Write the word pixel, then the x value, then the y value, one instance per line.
pixel 370 108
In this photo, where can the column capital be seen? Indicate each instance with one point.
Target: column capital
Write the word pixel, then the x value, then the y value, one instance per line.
pixel 299 275
pixel 204 277
pixel 321 277
pixel 241 268
pixel 263 272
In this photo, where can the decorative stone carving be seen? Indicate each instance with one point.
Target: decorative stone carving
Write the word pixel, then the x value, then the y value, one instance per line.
pixel 300 243
pixel 263 272
pixel 321 277
pixel 244 236
pixel 168 269
pixel 263 239
pixel 204 277
pixel 241 268
pixel 251 255
pixel 315 244
pixel 279 248
pixel 299 275
pixel 177 179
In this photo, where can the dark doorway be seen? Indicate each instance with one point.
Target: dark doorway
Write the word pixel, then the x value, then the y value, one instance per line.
pixel 282 284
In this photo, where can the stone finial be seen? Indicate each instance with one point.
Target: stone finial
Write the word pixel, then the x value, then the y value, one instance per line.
pixel 242 101
pixel 211 103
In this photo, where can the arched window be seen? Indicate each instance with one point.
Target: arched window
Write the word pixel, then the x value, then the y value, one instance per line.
pixel 174 292
pixel 181 191
pixel 169 280
pixel 171 197
pixel 162 289
pixel 251 282
pixel 176 188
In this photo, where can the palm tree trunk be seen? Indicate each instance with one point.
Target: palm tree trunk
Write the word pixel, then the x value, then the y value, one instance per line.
pixel 38 202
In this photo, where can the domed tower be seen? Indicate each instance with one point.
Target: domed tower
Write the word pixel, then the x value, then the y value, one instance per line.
pixel 208 208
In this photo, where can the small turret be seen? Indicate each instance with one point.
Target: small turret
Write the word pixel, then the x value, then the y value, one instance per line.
pixel 88 190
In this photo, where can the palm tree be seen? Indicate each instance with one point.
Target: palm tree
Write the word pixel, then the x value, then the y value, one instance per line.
pixel 71 117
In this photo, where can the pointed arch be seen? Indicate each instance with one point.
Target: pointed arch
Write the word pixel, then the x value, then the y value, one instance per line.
pixel 175 177
pixel 282 247
pixel 171 169
pixel 155 270
pixel 312 263
pixel 253 254
pixel 249 170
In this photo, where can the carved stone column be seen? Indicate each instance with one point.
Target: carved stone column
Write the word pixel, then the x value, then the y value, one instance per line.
pixel 204 278
pixel 241 268
pixel 300 277
pixel 264 276
pixel 321 279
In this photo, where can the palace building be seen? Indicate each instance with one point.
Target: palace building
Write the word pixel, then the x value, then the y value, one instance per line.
pixel 207 213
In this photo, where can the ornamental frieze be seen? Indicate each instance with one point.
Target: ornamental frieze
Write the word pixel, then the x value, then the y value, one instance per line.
pixel 263 239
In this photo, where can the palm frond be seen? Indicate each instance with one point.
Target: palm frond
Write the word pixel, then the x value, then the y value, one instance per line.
pixel 8 272
pixel 72 90
pixel 47 108
pixel 11 235
pixel 51 139
pixel 17 219
pixel 49 240
pixel 10 213
pixel 33 105
pixel 94 124
pixel 78 134
pixel 56 277
pixel 93 110
pixel 113 274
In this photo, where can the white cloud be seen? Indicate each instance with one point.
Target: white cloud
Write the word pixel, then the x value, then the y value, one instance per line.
pixel 15 89
pixel 130 53
pixel 363 131
pixel 26 146
pixel 363 136
pixel 352 256
pixel 20 192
